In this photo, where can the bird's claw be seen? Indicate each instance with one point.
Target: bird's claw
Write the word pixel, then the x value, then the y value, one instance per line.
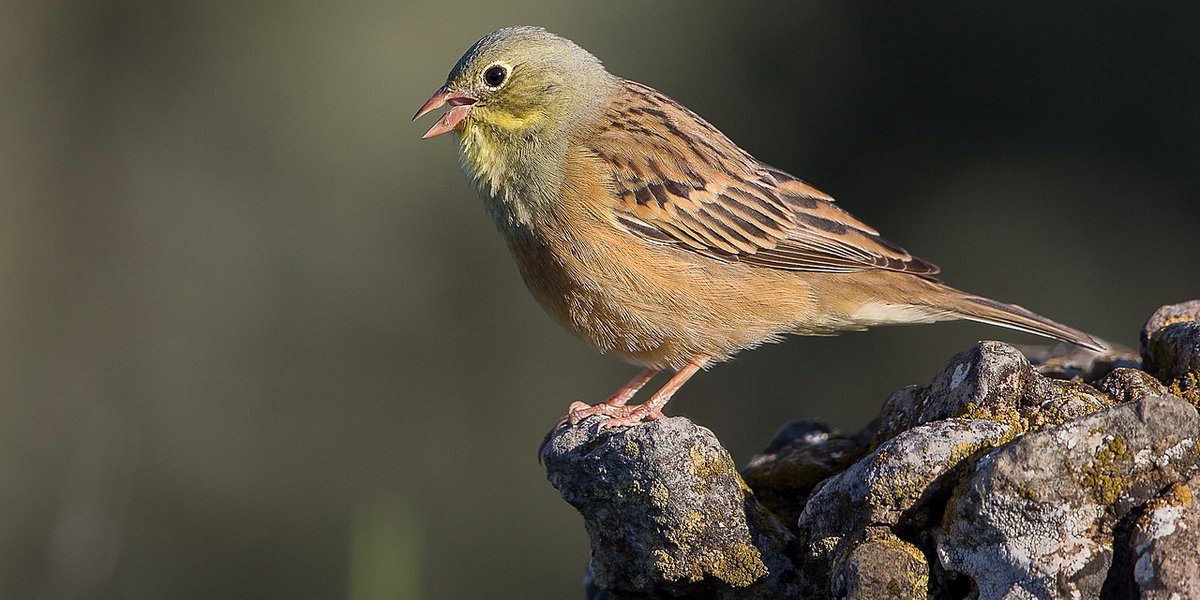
pixel 612 416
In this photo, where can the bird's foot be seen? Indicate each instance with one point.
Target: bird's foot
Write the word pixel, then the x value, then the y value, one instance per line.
pixel 615 415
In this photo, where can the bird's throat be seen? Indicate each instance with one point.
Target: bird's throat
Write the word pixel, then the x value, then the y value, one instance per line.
pixel 512 173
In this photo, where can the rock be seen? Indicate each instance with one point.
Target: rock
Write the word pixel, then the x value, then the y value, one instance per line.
pixel 1071 476
pixel 1165 544
pixel 894 483
pixel 803 454
pixel 1037 517
pixel 668 514
pixel 1128 385
pixel 991 381
pixel 881 565
pixel 1170 343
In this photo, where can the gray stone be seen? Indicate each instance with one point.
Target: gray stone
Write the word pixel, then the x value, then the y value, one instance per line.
pixel 1129 385
pixel 1165 544
pixel 1036 519
pixel 890 483
pixel 668 514
pixel 1070 476
pixel 881 565
pixel 803 454
pixel 1170 343
pixel 991 381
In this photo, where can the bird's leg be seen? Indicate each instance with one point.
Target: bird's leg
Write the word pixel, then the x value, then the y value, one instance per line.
pixel 579 410
pixel 652 408
pixel 614 405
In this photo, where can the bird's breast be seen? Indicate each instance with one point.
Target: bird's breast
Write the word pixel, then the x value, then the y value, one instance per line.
pixel 657 306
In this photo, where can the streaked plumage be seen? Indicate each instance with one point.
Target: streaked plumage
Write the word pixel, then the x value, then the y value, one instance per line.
pixel 648 232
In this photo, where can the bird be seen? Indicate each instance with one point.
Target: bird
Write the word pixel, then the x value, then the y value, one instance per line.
pixel 649 233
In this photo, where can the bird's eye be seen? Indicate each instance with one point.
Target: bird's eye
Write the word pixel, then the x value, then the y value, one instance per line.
pixel 495 75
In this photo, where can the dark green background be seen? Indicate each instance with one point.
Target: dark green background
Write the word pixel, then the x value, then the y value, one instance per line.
pixel 259 341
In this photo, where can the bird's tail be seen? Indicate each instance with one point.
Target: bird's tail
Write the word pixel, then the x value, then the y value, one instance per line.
pixel 985 310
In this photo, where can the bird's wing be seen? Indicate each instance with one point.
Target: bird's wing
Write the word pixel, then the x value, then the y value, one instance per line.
pixel 678 180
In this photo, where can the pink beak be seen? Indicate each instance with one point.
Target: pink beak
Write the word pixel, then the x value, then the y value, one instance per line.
pixel 450 120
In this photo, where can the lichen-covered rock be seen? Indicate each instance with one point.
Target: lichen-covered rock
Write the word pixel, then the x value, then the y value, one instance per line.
pixel 991 381
pixel 803 454
pixel 892 483
pixel 1071 476
pixel 1129 385
pixel 668 514
pixel 1171 348
pixel 1165 545
pixel 1037 517
pixel 881 565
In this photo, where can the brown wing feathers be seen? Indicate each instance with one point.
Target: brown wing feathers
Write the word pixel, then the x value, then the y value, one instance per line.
pixel 686 184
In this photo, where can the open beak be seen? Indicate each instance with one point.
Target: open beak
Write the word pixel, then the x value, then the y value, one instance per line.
pixel 461 106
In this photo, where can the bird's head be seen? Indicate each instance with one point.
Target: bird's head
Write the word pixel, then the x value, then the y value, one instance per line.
pixel 518 82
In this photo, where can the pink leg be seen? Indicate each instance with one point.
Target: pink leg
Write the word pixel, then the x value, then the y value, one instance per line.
pixel 615 404
pixel 652 408
pixel 627 391
pixel 579 410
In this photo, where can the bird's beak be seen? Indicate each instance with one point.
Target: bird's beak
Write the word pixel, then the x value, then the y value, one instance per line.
pixel 462 106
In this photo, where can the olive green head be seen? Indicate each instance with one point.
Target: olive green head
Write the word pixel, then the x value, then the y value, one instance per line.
pixel 519 81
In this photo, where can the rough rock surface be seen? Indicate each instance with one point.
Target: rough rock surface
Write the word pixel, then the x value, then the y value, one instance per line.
pixel 1171 348
pixel 667 513
pixel 1024 526
pixel 1072 476
pixel 1165 544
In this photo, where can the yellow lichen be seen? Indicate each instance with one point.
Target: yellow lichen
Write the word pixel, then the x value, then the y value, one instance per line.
pixel 632 488
pixel 664 563
pixel 998 413
pixel 688 531
pixel 1103 476
pixel 659 495
pixel 738 564
pixel 825 545
pixel 1187 387
pixel 709 465
pixel 889 539
pixel 1060 401
pixel 1177 495
pixel 1184 318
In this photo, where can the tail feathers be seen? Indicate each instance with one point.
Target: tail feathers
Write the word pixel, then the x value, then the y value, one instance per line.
pixel 984 310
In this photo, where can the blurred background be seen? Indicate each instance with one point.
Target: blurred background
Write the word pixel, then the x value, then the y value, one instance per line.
pixel 259 341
